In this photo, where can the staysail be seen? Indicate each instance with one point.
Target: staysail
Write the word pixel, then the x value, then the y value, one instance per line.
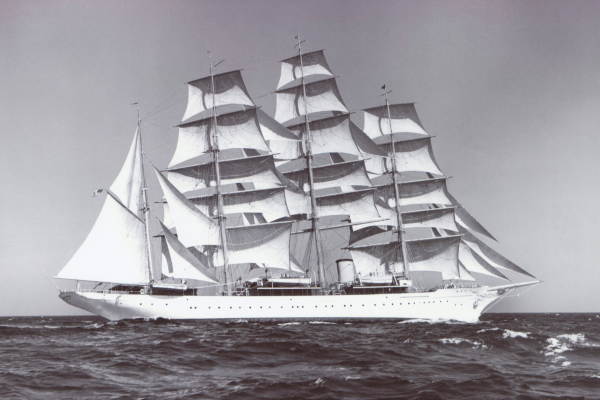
pixel 116 248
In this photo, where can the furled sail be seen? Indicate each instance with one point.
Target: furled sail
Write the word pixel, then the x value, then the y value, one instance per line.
pixel 183 263
pixel 229 89
pixel 114 251
pixel 250 169
pixel 404 119
pixel 320 96
pixel 433 254
pixel 314 63
pixel 239 130
pixel 329 135
pixel 193 227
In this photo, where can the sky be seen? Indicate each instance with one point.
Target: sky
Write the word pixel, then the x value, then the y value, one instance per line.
pixel 510 90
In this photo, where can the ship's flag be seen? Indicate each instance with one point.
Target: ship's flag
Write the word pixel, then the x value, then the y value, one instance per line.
pixel 96 192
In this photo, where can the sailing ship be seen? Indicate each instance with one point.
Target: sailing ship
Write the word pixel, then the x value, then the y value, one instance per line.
pixel 247 195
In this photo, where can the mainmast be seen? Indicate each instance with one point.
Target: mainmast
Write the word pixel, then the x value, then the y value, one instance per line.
pixel 309 160
pixel 214 148
pixel 396 195
pixel 145 208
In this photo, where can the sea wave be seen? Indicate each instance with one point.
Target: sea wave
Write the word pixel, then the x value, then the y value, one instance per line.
pixel 511 355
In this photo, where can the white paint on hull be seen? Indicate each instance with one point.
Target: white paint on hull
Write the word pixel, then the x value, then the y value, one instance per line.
pixel 461 304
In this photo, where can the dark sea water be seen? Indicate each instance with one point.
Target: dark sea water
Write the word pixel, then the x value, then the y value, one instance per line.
pixel 505 356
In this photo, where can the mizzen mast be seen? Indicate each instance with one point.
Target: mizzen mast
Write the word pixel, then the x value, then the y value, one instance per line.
pixel 144 200
pixel 392 155
pixel 214 149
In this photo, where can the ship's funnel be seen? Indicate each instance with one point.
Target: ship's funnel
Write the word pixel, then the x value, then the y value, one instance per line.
pixel 346 270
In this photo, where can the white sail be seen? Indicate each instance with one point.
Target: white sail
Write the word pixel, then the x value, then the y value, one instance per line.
pixel 359 204
pixel 411 155
pixel 236 130
pixel 475 263
pixel 344 175
pixel 269 202
pixel 229 89
pixel 259 169
pixel 282 142
pixel 265 245
pixel 434 254
pixel 404 120
pixel 465 275
pixel 184 264
pixel 114 251
pixel 193 227
pixel 330 135
pixel 426 191
pixel 128 184
pixel 320 96
pixel 313 63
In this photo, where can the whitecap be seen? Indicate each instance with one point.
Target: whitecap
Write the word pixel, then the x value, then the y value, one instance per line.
pixel 289 323
pixel 322 322
pixel 476 344
pixel 486 330
pixel 514 334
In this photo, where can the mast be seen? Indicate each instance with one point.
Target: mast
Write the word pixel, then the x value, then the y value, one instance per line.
pixel 145 208
pixel 309 159
pixel 214 147
pixel 396 195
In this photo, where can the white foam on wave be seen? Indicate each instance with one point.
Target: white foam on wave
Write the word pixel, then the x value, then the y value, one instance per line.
pixel 322 323
pixel 476 344
pixel 434 321
pixel 289 323
pixel 560 344
pixel 487 330
pixel 514 334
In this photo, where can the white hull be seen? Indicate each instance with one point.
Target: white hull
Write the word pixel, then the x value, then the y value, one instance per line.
pixel 459 304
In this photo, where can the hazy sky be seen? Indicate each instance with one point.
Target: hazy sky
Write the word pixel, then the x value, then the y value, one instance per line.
pixel 510 89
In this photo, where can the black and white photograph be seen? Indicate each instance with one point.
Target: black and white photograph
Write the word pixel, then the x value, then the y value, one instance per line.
pixel 299 199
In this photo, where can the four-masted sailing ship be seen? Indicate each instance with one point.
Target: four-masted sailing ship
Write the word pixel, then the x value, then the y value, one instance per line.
pixel 247 195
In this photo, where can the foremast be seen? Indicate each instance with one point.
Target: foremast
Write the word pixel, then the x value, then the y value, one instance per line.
pixel 316 234
pixel 214 149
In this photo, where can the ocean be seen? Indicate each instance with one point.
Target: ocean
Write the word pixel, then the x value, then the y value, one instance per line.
pixel 504 356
